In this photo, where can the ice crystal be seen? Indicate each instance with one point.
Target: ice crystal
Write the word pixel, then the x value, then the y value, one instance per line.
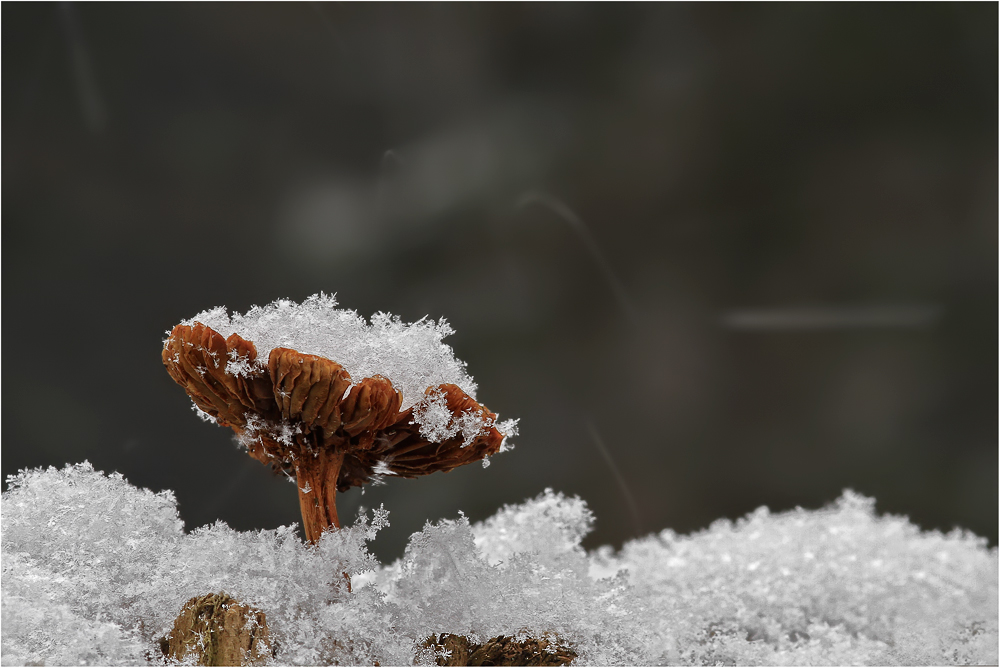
pixel 95 571
pixel 411 355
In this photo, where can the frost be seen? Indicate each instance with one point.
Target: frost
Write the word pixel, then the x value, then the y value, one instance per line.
pixel 411 355
pixel 95 570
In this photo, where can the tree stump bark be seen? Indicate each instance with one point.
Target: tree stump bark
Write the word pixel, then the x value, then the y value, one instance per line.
pixel 219 631
pixel 454 650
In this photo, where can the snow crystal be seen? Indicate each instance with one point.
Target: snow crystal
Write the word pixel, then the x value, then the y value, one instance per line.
pixel 95 570
pixel 202 415
pixel 508 428
pixel 435 420
pixel 411 355
pixel 437 423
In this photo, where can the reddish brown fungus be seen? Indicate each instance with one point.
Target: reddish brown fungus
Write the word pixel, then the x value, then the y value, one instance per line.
pixel 303 414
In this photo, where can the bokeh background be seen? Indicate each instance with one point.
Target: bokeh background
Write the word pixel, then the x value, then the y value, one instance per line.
pixel 713 256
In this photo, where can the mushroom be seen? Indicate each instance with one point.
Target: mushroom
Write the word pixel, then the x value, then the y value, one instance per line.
pixel 304 415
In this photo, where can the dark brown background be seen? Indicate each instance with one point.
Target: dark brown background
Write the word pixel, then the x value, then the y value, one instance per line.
pixel 163 159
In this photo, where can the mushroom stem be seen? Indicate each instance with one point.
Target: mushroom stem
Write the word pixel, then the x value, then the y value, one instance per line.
pixel 317 482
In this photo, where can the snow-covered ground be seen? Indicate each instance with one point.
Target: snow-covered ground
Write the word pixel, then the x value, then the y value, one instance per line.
pixel 95 570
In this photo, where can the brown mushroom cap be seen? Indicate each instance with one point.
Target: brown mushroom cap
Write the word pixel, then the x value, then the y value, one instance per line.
pixel 298 404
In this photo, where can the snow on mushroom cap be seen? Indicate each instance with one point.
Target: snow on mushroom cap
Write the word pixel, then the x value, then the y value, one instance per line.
pixel 411 355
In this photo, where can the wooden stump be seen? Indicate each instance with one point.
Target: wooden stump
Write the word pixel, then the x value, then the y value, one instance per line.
pixel 219 631
pixel 498 651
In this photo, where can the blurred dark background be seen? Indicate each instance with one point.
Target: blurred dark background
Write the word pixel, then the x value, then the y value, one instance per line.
pixel 713 256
